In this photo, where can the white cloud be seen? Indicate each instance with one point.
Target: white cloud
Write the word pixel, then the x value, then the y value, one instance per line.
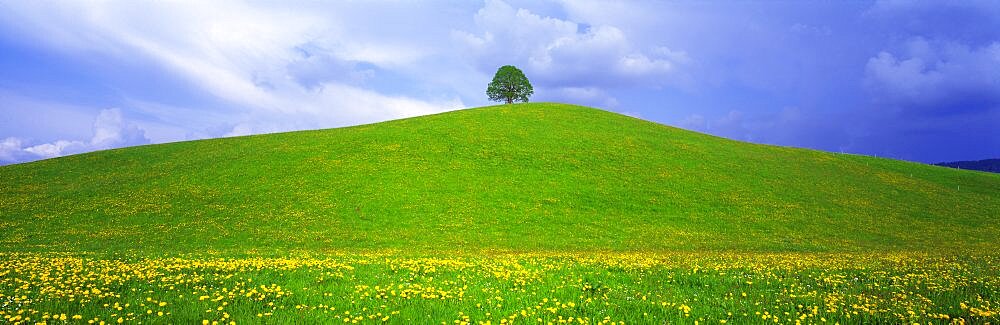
pixel 933 76
pixel 559 53
pixel 366 105
pixel 10 150
pixel 56 149
pixel 110 130
pixel 260 59
pixel 270 68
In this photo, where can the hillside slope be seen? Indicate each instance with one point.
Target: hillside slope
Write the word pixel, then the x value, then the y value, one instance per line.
pixel 523 177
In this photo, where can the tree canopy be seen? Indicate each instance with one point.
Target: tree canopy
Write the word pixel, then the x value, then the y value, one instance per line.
pixel 509 85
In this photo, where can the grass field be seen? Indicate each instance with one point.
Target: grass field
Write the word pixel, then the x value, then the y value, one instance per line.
pixel 522 213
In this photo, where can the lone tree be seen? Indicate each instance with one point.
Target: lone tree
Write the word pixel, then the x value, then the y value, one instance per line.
pixel 509 85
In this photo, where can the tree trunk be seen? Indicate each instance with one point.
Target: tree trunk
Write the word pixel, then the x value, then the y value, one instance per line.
pixel 510 100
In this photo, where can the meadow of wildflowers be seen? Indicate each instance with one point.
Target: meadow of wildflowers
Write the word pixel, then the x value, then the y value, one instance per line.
pixel 579 288
pixel 530 214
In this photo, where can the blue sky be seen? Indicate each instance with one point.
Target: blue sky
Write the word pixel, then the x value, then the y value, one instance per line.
pixel 913 80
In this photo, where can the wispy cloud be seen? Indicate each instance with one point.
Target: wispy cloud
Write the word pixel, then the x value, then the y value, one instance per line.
pixel 275 69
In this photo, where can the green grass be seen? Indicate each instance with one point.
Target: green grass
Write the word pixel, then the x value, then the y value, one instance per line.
pixel 526 177
pixel 527 213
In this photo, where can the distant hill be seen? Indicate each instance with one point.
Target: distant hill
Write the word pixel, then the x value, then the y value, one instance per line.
pixel 526 177
pixel 986 165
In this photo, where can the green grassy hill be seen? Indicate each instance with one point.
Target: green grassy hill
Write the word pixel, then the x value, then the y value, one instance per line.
pixel 527 177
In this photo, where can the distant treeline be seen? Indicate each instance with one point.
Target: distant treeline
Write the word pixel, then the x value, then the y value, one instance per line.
pixel 986 165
